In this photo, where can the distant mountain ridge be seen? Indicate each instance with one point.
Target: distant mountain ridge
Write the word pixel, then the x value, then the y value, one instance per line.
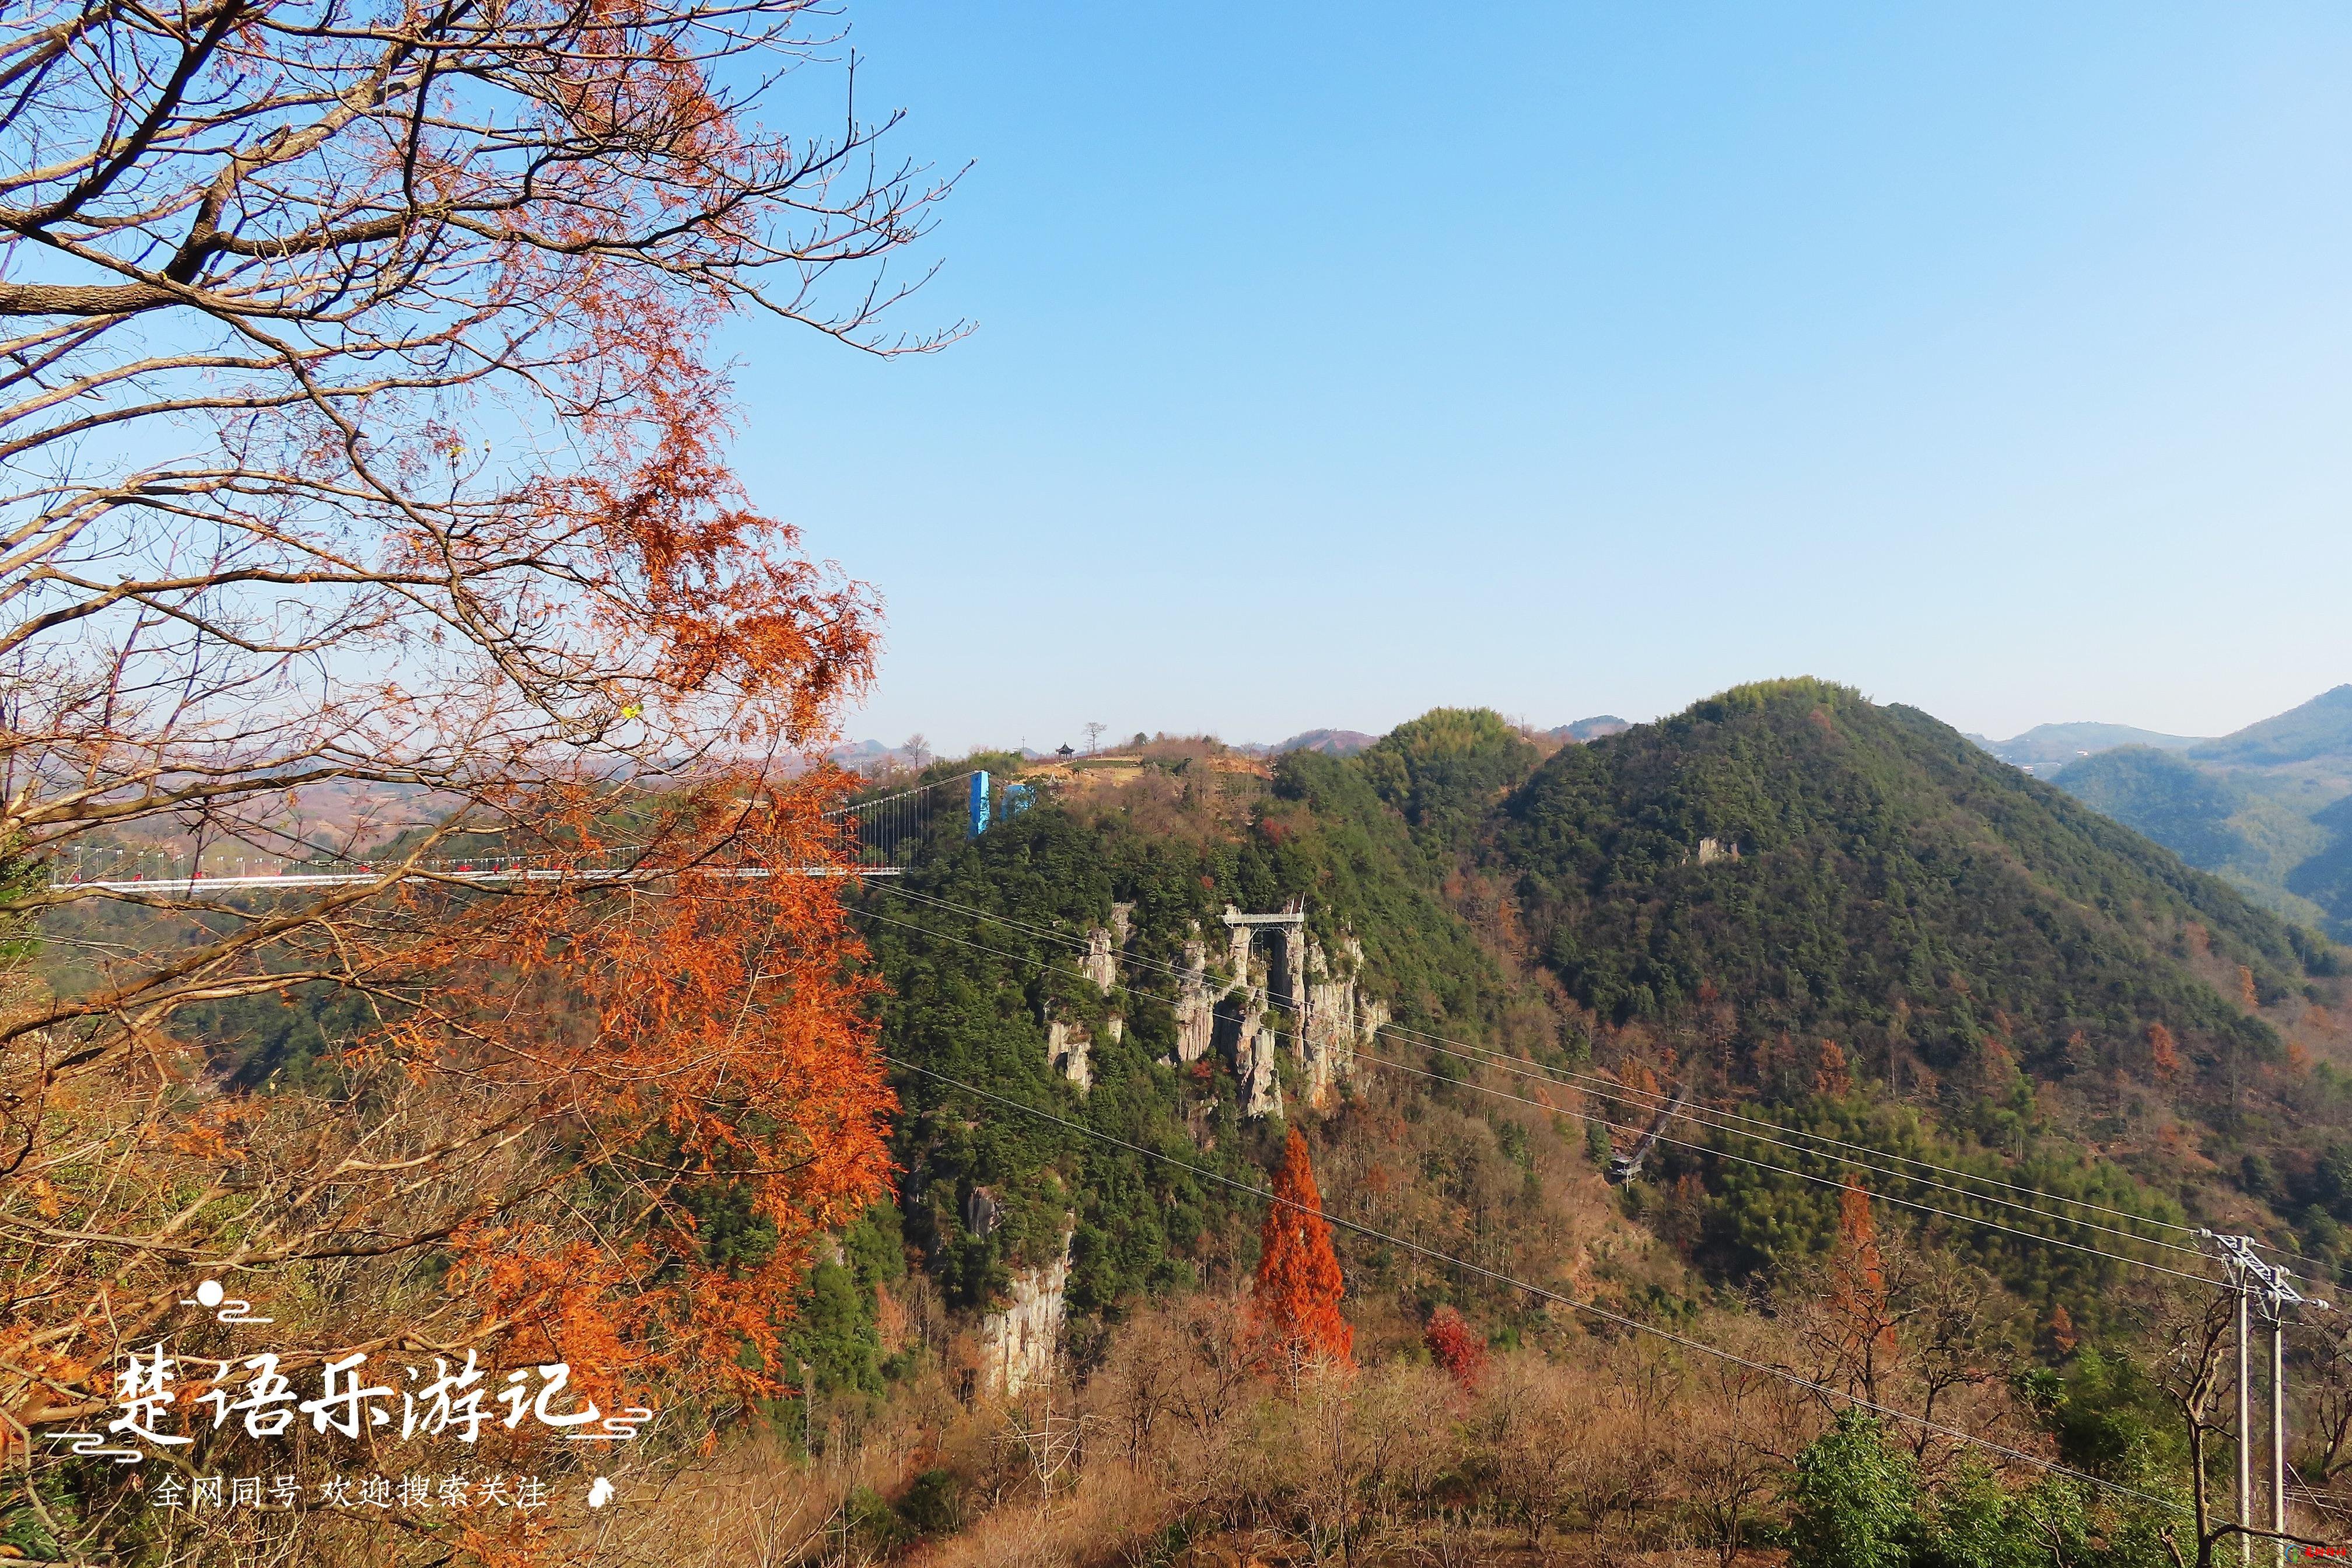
pixel 2267 809
pixel 1330 743
pixel 1353 742
pixel 2319 730
pixel 2046 747
pixel 1593 728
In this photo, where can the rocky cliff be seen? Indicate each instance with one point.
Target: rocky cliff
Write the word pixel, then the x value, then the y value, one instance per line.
pixel 1276 990
pixel 1017 1343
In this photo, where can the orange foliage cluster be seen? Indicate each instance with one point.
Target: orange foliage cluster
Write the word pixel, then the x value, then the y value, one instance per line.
pixel 1858 1279
pixel 715 1034
pixel 715 595
pixel 555 1078
pixel 1831 1078
pixel 1298 1284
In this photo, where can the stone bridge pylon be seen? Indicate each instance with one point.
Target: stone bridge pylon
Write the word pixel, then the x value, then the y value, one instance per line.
pixel 1281 994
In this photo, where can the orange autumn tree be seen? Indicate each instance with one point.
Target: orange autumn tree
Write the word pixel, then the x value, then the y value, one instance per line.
pixel 1831 1078
pixel 2060 1330
pixel 714 1045
pixel 1297 1301
pixel 363 472
pixel 1862 1341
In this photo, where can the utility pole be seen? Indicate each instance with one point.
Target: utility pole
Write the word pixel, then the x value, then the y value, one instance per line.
pixel 2278 1423
pixel 2252 1280
pixel 2245 1431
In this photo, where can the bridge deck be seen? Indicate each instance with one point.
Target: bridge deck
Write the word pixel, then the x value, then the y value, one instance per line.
pixel 362 878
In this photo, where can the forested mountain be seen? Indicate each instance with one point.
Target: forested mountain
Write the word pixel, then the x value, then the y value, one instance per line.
pixel 2268 809
pixel 1896 981
pixel 1839 920
pixel 1813 887
pixel 1845 869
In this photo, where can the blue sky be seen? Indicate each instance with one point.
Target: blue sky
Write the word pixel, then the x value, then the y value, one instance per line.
pixel 1334 363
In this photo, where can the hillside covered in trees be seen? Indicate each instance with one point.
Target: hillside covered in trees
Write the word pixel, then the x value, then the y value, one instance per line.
pixel 1926 1070
pixel 2268 809
pixel 1899 982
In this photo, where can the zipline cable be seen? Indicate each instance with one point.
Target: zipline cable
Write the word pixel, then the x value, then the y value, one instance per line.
pixel 1649 1100
pixel 1697 1148
pixel 1719 1120
pixel 1604 1314
pixel 1611 1087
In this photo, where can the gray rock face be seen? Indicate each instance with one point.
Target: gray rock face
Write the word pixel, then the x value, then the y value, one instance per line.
pixel 1320 1015
pixel 1336 1018
pixel 1196 1005
pixel 1326 1045
pixel 1248 1048
pixel 1068 1047
pixel 1100 966
pixel 980 1215
pixel 1018 1341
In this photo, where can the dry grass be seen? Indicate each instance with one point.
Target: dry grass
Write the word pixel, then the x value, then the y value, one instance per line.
pixel 1116 1515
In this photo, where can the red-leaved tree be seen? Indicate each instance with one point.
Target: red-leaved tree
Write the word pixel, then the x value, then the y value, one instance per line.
pixel 1299 1283
pixel 1455 1347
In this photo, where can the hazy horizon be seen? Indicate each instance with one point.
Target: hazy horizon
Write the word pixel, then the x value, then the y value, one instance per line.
pixel 1117 734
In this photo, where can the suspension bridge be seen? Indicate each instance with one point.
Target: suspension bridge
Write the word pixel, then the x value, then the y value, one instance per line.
pixel 878 837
